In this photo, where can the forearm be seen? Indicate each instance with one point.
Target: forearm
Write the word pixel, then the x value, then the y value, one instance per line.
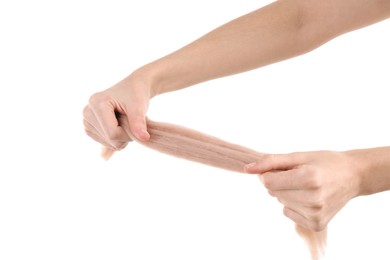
pixel 373 168
pixel 276 32
pixel 248 42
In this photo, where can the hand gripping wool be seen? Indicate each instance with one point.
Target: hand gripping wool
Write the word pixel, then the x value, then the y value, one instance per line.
pixel 195 146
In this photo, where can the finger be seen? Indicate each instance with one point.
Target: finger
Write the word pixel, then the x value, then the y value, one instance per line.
pixel 90 122
pixel 107 149
pixel 104 111
pixel 313 221
pixel 135 127
pixel 90 127
pixel 98 139
pixel 293 205
pixel 301 197
pixel 305 214
pixel 285 180
pixel 137 124
pixel 272 162
pixel 93 133
pixel 296 217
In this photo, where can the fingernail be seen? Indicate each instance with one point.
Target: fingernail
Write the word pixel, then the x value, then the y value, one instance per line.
pixel 143 135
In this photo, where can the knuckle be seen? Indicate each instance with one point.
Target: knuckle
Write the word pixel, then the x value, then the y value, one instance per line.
pixel 97 98
pixel 98 101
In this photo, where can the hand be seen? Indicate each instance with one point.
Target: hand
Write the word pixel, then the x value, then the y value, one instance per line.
pixel 129 98
pixel 312 186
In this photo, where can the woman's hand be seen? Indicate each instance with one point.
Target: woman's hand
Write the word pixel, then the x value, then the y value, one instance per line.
pixel 312 186
pixel 129 97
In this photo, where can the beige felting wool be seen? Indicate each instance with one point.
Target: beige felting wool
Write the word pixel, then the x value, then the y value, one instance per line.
pixel 192 145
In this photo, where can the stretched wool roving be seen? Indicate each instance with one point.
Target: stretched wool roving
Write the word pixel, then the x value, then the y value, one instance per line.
pixel 195 146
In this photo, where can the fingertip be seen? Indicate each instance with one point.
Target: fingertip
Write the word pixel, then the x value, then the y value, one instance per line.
pixel 143 135
pixel 139 130
pixel 250 168
pixel 136 129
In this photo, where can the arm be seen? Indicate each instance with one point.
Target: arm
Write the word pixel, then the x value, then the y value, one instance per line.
pixel 276 32
pixel 373 169
pixel 314 186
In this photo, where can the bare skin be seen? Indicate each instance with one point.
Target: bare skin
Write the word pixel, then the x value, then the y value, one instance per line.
pixel 281 30
pixel 313 186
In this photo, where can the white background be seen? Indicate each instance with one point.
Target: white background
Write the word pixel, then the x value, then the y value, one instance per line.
pixel 60 200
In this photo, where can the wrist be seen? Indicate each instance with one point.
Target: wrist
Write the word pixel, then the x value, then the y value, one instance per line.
pixel 148 79
pixel 360 168
pixel 372 168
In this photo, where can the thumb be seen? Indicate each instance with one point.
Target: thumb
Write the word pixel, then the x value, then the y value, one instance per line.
pixel 273 162
pixel 139 128
pixel 135 126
